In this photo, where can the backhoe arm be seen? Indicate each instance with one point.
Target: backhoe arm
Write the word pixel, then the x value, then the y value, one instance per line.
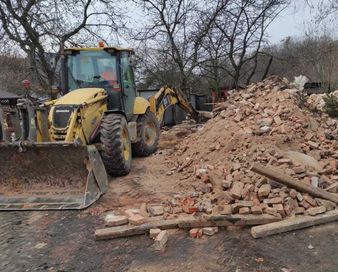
pixel 166 97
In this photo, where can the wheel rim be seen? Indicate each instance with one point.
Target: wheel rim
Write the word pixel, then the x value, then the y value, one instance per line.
pixel 150 133
pixel 126 144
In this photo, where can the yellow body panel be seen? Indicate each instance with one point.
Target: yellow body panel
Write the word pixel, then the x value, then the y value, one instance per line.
pixel 90 105
pixel 141 105
pixel 80 96
pixel 91 117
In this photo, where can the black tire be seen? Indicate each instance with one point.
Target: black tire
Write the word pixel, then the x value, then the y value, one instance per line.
pixel 116 146
pixel 148 141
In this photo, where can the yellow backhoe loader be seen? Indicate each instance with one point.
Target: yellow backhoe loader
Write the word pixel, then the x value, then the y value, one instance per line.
pixel 57 154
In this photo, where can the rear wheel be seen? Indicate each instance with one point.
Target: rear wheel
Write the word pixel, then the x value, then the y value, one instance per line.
pixel 116 145
pixel 149 132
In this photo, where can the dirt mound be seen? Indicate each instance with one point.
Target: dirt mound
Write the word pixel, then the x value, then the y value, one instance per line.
pixel 263 123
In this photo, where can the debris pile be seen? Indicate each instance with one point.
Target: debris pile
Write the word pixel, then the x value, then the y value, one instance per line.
pixel 263 125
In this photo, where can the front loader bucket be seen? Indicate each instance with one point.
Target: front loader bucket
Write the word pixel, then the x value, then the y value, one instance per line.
pixel 50 176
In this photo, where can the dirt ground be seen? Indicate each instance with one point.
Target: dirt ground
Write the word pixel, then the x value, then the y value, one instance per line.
pixel 64 241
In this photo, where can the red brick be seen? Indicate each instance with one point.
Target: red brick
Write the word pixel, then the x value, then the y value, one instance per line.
pixel 310 200
pixel 136 219
pixel 305 204
pixel 244 210
pixel 196 233
pixel 256 210
pixel 271 211
pixel 190 210
pixel 275 200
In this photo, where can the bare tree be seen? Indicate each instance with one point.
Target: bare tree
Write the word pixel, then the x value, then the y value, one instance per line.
pixel 241 27
pixel 40 27
pixel 175 28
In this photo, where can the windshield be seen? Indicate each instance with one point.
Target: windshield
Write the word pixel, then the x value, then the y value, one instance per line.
pixel 92 69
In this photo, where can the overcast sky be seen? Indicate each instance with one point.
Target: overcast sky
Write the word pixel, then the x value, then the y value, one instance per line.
pixel 291 22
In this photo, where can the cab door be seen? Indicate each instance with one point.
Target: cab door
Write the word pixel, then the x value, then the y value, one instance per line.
pixel 128 83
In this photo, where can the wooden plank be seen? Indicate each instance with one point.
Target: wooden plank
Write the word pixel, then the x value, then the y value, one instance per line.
pixel 295 223
pixel 229 220
pixel 185 222
pixel 124 231
pixel 293 183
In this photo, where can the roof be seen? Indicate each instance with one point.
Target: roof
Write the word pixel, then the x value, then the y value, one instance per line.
pixel 99 48
pixel 7 95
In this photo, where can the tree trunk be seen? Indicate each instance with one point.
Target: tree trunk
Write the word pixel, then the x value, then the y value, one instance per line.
pixel 267 69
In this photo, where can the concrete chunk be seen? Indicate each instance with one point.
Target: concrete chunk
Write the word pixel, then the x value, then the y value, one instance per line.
pixel 210 231
pixel 156 210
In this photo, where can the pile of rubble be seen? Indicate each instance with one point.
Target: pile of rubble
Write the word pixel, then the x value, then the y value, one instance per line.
pixel 262 124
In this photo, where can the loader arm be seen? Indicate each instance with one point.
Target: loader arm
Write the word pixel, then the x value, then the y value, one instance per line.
pixel 168 96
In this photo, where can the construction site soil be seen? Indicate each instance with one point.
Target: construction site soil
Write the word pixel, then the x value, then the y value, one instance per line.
pixel 201 164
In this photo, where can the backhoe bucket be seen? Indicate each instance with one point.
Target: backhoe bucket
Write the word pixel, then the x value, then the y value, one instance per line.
pixel 50 176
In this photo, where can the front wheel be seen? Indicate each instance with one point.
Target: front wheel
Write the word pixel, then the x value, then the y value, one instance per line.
pixel 116 146
pixel 148 131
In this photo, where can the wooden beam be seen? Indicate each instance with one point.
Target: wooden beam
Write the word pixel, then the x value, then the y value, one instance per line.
pixel 293 183
pixel 228 220
pixel 130 230
pixel 186 222
pixel 295 223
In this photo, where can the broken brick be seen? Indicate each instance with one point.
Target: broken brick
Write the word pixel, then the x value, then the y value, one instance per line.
pixel 256 210
pixel 236 190
pixel 161 240
pixel 115 220
pixel 153 233
pixel 156 210
pixel 293 193
pixel 244 210
pixel 136 219
pixel 264 190
pixel 310 200
pixel 196 233
pixel 226 210
pixel 316 210
pixel 271 211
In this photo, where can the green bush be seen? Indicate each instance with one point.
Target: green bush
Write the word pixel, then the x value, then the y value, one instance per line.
pixel 331 105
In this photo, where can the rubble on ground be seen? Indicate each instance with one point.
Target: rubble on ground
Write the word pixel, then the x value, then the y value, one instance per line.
pixel 315 102
pixel 261 124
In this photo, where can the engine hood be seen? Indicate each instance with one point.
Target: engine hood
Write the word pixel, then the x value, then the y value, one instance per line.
pixel 80 96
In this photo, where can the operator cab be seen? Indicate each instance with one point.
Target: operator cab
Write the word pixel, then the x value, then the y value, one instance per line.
pixel 108 68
